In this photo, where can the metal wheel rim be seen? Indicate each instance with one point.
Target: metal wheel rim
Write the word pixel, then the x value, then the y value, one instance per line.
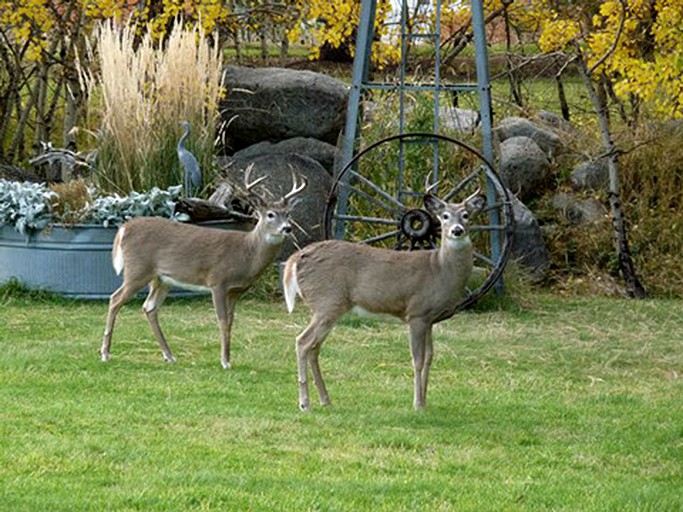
pixel 505 206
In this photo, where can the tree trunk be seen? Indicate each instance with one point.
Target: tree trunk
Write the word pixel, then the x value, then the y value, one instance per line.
pixel 263 33
pixel 564 106
pixel 284 49
pixel 634 288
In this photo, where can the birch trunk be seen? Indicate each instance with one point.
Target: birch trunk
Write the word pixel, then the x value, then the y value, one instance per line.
pixel 634 288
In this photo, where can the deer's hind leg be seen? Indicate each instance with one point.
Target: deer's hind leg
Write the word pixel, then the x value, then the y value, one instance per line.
pixel 308 345
pixel 158 291
pixel 122 295
pixel 428 356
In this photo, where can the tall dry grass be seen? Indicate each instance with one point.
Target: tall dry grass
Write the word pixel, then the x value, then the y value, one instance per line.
pixel 144 89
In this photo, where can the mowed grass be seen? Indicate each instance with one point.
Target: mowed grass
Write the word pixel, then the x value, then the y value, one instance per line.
pixel 566 404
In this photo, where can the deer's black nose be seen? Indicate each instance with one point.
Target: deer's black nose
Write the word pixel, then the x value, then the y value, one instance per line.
pixel 458 231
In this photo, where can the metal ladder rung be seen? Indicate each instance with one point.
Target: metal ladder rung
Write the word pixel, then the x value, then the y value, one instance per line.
pixel 416 35
pixel 416 87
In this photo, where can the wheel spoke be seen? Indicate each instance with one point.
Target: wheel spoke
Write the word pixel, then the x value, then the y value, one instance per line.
pixel 379 238
pixel 379 191
pixel 456 190
pixel 371 220
pixel 483 258
pixel 373 199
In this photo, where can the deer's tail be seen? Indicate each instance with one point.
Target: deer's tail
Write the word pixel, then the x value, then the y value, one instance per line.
pixel 117 252
pixel 290 284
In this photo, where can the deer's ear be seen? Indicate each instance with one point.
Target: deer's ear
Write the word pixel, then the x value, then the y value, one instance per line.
pixel 475 203
pixel 434 204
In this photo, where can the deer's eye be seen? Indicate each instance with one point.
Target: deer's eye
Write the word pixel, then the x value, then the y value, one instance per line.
pixel 465 215
pixel 270 215
pixel 445 216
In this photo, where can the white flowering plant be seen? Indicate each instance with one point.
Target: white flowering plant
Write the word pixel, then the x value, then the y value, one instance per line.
pixel 27 207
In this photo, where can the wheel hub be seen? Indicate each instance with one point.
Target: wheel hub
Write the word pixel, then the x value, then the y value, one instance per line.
pixel 419 227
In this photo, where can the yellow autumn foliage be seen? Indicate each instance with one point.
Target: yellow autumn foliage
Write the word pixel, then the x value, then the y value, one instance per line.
pixel 638 44
pixel 335 23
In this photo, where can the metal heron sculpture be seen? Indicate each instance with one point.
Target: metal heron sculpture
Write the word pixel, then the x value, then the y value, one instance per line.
pixel 192 174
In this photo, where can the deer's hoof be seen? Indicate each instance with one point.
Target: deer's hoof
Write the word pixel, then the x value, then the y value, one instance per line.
pixel 304 407
pixel 226 365
pixel 105 357
pixel 169 359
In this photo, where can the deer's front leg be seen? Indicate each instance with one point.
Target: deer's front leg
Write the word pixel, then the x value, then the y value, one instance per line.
pixel 224 304
pixel 419 331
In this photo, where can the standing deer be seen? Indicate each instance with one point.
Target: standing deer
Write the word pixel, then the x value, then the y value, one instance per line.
pixel 419 287
pixel 163 253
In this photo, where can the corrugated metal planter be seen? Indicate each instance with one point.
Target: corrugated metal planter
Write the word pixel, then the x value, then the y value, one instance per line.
pixel 73 261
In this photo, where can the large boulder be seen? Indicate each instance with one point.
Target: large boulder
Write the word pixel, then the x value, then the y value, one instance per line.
pixel 524 167
pixel 274 104
pixel 323 152
pixel 547 140
pixel 310 205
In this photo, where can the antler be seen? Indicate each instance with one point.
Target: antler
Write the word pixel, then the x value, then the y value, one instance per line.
pixel 429 188
pixel 296 187
pixel 476 193
pixel 247 176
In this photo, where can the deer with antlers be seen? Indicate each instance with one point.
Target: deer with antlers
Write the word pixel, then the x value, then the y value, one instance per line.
pixel 162 253
pixel 419 287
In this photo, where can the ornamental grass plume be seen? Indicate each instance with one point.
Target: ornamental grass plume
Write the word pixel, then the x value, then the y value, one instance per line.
pixel 143 89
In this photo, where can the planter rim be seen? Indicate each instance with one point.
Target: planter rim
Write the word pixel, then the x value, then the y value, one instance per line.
pixel 82 225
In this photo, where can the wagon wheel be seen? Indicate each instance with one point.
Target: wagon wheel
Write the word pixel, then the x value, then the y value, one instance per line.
pixel 373 204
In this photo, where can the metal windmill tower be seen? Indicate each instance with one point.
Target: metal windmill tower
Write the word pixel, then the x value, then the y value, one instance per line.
pixel 391 216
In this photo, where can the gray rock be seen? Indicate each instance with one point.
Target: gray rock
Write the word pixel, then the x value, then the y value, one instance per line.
pixel 524 167
pixel 555 121
pixel 528 247
pixel 579 211
pixel 591 175
pixel 318 150
pixel 510 127
pixel 275 104
pixel 309 209
pixel 460 119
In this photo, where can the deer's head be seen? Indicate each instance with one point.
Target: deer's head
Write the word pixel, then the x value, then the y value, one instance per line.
pixel 273 216
pixel 454 217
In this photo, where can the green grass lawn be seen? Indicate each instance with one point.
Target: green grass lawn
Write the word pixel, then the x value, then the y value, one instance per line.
pixel 566 404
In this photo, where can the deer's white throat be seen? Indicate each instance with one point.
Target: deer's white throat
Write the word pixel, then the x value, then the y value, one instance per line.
pixel 274 239
pixel 458 243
